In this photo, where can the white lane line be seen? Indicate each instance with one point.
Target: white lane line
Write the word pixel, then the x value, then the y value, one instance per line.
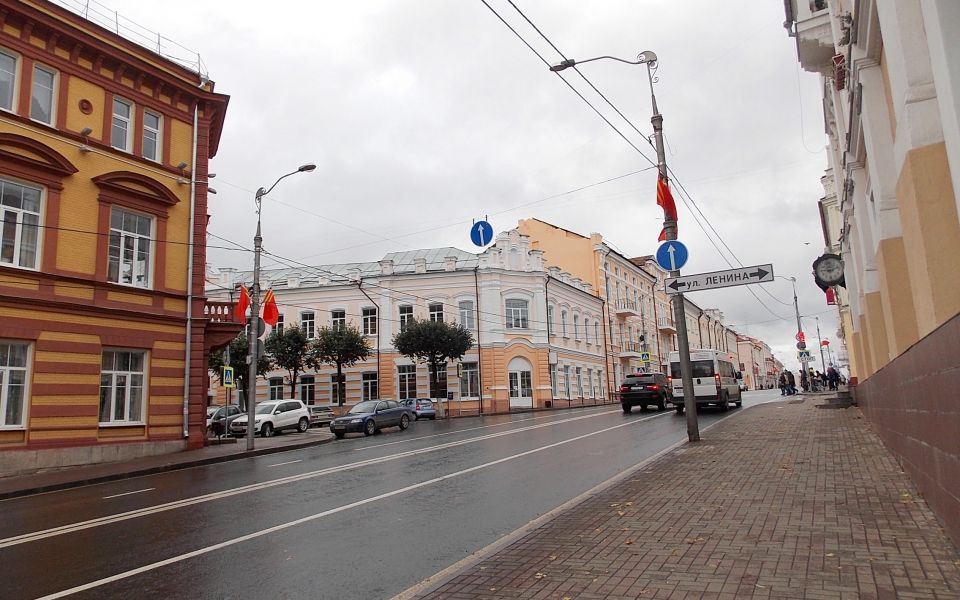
pixel 128 493
pixel 149 510
pixel 326 513
pixel 289 462
pixel 435 435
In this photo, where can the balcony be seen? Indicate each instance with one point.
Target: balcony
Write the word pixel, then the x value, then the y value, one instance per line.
pixel 626 308
pixel 814 34
pixel 664 324
pixel 631 349
pixel 222 324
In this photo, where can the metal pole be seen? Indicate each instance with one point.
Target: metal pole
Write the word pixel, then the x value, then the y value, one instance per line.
pixel 670 228
pixel 253 335
pixel 823 363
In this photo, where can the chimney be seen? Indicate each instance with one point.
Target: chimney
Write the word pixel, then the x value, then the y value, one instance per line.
pixel 293 280
pixel 420 265
pixel 386 267
pixel 450 263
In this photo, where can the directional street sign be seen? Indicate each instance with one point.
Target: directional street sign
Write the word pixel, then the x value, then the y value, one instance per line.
pixel 481 233
pixel 719 279
pixel 672 255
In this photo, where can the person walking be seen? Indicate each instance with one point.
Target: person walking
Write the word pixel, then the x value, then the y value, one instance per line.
pixel 804 382
pixel 814 381
pixel 833 377
pixel 783 384
pixel 791 384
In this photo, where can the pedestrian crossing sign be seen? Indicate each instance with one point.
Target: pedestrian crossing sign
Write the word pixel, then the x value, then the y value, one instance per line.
pixel 227 378
pixel 645 356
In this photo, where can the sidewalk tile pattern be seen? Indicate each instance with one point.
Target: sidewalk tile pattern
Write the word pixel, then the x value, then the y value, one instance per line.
pixel 781 501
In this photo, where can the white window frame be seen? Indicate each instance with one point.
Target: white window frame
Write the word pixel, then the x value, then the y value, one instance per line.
pixel 5 384
pixel 14 79
pixel 466 308
pixel 368 317
pixel 566 380
pixel 590 383
pixel 576 327
pixel 139 239
pixel 405 312
pixel 18 234
pixel 601 382
pixel 279 326
pixel 308 325
pixel 275 388
pixel 554 384
pixel 157 136
pixel 517 316
pixel 335 389
pixel 596 330
pixel 435 310
pixel 563 323
pixel 586 330
pixel 550 319
pixel 52 91
pixel 470 381
pixel 443 381
pixel 580 382
pixel 113 374
pixel 369 386
pixel 406 382
pixel 338 318
pixel 308 389
pixel 126 121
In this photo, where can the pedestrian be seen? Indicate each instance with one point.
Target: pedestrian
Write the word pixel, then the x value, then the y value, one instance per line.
pixel 813 381
pixel 791 384
pixel 804 382
pixel 783 384
pixel 833 377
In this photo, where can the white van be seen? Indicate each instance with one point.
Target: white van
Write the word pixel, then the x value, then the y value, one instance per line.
pixel 714 379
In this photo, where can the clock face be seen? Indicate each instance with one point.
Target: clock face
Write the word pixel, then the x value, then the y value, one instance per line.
pixel 830 270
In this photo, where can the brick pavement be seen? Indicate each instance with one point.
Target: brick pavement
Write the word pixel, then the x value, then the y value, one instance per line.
pixel 784 500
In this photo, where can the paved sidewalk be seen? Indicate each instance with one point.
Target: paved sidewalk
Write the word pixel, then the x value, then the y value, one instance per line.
pixel 782 500
pixel 24 485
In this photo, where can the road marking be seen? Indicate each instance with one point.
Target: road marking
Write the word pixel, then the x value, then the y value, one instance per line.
pixel 128 493
pixel 326 513
pixel 149 510
pixel 289 462
pixel 434 435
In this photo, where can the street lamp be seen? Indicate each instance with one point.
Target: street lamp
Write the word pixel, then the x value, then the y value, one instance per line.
pixel 649 58
pixel 796 307
pixel 253 335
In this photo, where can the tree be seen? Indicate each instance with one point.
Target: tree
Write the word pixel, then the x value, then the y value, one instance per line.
pixel 342 345
pixel 289 350
pixel 239 348
pixel 434 343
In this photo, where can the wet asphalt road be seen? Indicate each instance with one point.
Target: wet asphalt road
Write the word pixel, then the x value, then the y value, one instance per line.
pixel 360 518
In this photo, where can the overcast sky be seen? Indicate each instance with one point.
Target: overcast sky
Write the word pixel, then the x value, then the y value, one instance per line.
pixel 422 115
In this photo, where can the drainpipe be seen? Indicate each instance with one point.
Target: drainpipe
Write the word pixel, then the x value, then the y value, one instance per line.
pixel 476 286
pixel 190 244
pixel 699 327
pixel 546 303
pixel 362 291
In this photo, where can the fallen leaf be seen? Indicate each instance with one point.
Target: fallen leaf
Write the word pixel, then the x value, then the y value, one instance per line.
pixel 540 575
pixel 628 542
pixel 620 513
pixel 628 503
pixel 830 554
pixel 553 557
pixel 615 504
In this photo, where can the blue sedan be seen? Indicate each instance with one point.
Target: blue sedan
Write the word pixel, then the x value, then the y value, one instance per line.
pixel 370 417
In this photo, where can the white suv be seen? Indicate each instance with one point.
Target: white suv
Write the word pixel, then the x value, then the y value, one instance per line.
pixel 275 415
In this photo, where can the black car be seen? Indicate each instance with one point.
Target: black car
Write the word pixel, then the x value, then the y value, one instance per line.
pixel 643 390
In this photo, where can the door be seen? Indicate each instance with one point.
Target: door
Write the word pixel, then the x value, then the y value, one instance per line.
pixel 521 389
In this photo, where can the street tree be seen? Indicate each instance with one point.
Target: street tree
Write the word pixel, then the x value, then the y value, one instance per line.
pixel 340 346
pixel 433 343
pixel 289 350
pixel 238 348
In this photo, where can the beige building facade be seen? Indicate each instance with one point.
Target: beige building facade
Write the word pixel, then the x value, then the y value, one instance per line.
pixel 890 74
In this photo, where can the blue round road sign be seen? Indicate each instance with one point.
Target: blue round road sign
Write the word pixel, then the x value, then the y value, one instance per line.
pixel 481 233
pixel 672 255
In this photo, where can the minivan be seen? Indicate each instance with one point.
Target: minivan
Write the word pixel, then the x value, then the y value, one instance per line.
pixel 714 379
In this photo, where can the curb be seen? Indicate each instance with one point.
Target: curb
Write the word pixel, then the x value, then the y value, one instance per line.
pixel 54 487
pixel 437 580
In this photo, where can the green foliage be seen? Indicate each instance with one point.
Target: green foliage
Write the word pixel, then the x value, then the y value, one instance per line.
pixel 339 346
pixel 433 342
pixel 289 350
pixel 239 348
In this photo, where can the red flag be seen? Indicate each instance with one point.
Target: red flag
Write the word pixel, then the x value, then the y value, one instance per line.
pixel 242 304
pixel 665 201
pixel 270 313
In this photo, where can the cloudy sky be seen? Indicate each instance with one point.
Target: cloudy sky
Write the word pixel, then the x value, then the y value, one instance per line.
pixel 423 115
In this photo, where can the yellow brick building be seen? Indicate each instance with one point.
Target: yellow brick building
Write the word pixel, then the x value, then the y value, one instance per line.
pixel 104 147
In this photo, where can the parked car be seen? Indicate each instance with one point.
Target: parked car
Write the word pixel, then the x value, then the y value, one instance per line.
pixel 371 416
pixel 219 422
pixel 211 410
pixel 423 408
pixel 643 390
pixel 273 416
pixel 320 415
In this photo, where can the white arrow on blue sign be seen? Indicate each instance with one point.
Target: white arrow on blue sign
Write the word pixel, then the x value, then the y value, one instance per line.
pixel 481 233
pixel 672 255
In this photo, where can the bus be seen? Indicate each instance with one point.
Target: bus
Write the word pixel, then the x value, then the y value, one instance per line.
pixel 715 379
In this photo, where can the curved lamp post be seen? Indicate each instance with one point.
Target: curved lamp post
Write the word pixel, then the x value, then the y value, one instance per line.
pixel 253 337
